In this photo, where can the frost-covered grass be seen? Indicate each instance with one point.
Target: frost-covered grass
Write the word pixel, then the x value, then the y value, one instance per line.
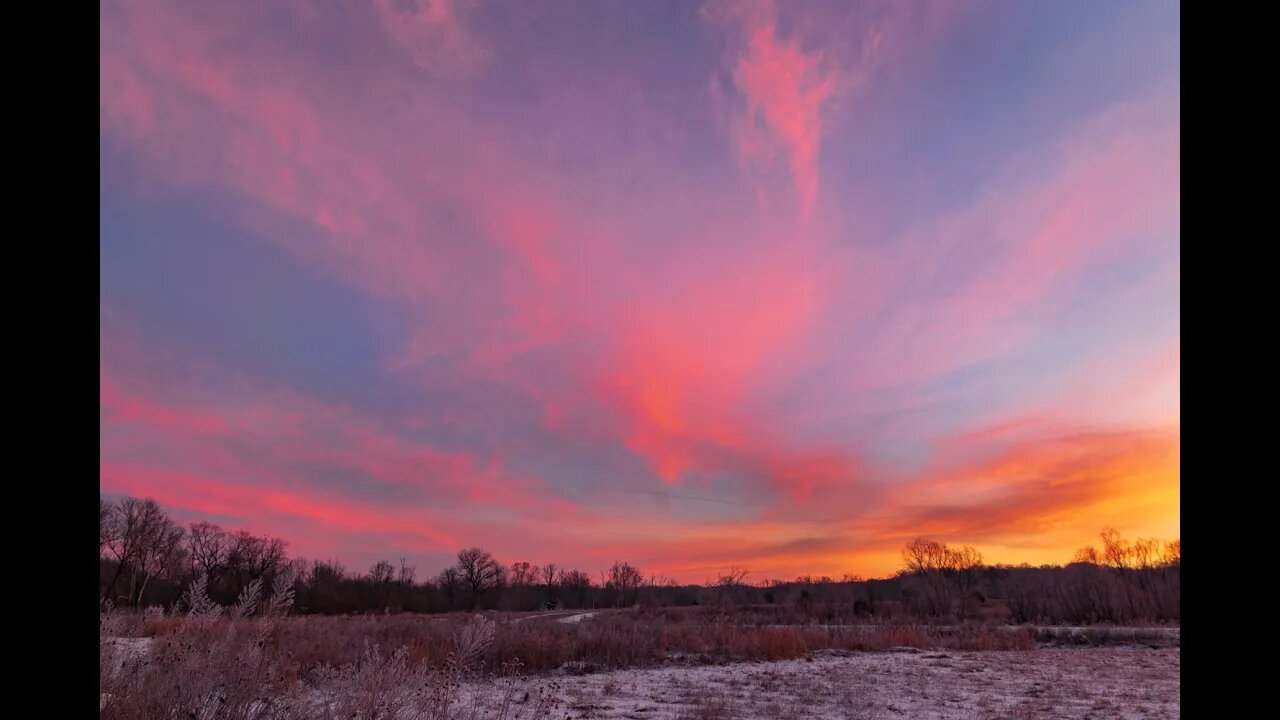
pixel 239 662
pixel 603 640
pixel 252 660
pixel 1067 683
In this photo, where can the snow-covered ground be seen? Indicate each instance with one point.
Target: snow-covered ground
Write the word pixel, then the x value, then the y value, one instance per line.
pixel 1068 682
pixel 579 617
pixel 1065 683
pixel 122 649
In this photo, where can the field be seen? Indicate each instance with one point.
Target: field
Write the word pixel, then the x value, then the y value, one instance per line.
pixel 632 663
pixel 1058 683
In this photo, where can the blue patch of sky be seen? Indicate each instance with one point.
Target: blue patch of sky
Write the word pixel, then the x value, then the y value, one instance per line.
pixel 1004 81
pixel 173 264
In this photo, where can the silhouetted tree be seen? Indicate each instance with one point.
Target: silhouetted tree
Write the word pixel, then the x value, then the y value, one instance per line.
pixel 207 546
pixel 146 558
pixel 624 580
pixel 138 525
pixel 159 554
pixel 479 572
pixel 1115 551
pixel 407 571
pixel 381 572
pixel 1087 555
pixel 450 582
pixel 523 574
pixel 107 527
pixel 733 577
pixel 575 584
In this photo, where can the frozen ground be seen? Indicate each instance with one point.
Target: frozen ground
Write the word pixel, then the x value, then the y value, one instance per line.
pixel 1063 683
pixel 1133 681
pixel 578 617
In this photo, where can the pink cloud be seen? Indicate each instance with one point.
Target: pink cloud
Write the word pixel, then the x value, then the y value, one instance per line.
pixel 678 372
pixel 433 34
pixel 666 320
pixel 1033 500
pixel 786 90
pixel 234 449
pixel 1038 225
pixel 783 91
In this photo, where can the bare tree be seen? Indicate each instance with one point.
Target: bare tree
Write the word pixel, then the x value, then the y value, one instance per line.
pixel 479 572
pixel 964 557
pixel 382 572
pixel 327 573
pixel 548 573
pixel 964 562
pixel 1087 555
pixel 450 582
pixel 1115 550
pixel 937 564
pixel 625 579
pixel 1145 553
pixel 207 547
pixel 733 577
pixel 160 553
pixel 523 574
pixel 107 527
pixel 137 523
pixel 250 557
pixel 406 573
pixel 298 568
pixel 922 556
pixel 575 583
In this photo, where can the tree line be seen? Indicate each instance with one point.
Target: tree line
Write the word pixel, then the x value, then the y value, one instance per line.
pixel 1121 582
pixel 147 558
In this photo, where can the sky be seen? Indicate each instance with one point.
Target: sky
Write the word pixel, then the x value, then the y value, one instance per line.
pixel 690 285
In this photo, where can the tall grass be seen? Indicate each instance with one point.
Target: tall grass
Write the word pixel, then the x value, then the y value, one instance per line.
pixel 249 661
pixel 253 660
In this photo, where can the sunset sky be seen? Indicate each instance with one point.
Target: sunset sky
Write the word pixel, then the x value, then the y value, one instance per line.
pixel 775 285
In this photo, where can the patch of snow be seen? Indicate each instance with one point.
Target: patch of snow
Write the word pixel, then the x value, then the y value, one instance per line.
pixel 1069 683
pixel 577 618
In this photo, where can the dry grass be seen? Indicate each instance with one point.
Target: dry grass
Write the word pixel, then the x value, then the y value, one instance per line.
pixel 241 662
pixel 241 665
pixel 633 638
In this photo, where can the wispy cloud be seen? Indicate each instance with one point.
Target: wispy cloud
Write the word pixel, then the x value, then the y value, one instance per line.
pixel 592 318
pixel 782 90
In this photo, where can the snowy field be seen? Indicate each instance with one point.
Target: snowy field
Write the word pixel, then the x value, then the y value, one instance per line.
pixel 1065 672
pixel 1057 683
